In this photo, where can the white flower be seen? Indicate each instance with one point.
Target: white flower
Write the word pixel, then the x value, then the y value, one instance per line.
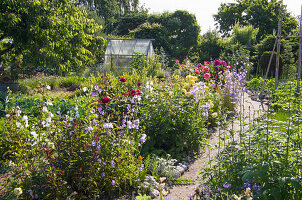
pixel 7 115
pixel 44 109
pixel 214 115
pixel 24 118
pixel 84 89
pixel 34 134
pixel 18 124
pixel 48 120
pixel 17 191
pixel 18 112
pixel 48 102
pixel 51 145
pixel 108 125
pixel 48 87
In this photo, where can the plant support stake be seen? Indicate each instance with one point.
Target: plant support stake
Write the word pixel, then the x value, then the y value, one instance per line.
pixel 300 52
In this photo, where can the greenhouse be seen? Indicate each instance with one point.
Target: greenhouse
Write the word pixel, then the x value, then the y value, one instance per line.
pixel 119 52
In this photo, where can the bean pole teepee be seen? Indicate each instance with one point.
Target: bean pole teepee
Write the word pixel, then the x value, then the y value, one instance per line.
pixel 278 45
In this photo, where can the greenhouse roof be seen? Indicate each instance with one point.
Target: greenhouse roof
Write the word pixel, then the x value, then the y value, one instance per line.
pixel 128 47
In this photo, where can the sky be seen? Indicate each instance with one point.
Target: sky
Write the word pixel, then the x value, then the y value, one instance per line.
pixel 204 9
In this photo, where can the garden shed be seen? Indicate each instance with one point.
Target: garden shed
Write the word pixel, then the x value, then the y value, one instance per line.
pixel 119 52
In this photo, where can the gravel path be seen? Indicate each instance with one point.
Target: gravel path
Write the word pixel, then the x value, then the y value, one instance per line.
pixel 180 192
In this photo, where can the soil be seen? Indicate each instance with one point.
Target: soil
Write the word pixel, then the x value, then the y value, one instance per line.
pixel 182 191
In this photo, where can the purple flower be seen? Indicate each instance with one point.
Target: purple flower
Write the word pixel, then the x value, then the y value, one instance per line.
pixel 143 138
pixel 129 125
pixel 113 182
pixel 103 174
pixel 99 160
pixel 98 147
pixel 227 185
pixel 92 94
pixel 93 143
pixel 95 124
pixel 112 164
pixel 136 122
pixel 102 112
pixel 89 128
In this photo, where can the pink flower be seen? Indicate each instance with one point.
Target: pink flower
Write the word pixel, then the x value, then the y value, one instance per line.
pixel 229 67
pixel 206 62
pixel 207 75
pixel 197 71
pixel 206 69
pixel 217 62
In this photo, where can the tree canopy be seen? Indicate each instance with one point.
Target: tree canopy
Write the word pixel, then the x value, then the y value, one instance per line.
pixel 262 14
pixel 176 32
pixel 53 34
pixel 111 10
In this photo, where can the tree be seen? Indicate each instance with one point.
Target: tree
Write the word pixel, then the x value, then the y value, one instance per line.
pixel 53 34
pixel 128 22
pixel 208 48
pixel 262 14
pixel 176 32
pixel 112 10
pixel 245 35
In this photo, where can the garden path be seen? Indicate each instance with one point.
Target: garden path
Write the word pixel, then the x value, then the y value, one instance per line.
pixel 182 191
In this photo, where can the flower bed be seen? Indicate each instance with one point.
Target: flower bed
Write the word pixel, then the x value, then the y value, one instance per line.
pixel 93 145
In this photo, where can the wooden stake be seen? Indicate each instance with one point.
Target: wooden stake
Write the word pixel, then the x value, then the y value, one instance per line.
pixel 300 51
pixel 278 48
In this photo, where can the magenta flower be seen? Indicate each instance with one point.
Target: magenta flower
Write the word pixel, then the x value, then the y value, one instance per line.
pixel 207 75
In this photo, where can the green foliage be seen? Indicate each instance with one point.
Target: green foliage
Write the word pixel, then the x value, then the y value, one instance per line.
pixel 245 35
pixel 264 61
pixel 76 146
pixel 56 35
pixel 266 159
pixel 267 44
pixel 262 14
pixel 129 22
pixel 209 47
pixel 112 10
pixel 175 32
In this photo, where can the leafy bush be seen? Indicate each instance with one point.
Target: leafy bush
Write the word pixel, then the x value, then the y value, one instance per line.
pixel 91 151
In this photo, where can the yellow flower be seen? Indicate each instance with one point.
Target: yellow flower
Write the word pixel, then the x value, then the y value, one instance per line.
pixel 188 94
pixel 211 104
pixel 187 85
pixel 184 90
pixel 195 78
pixel 214 115
pixel 192 81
